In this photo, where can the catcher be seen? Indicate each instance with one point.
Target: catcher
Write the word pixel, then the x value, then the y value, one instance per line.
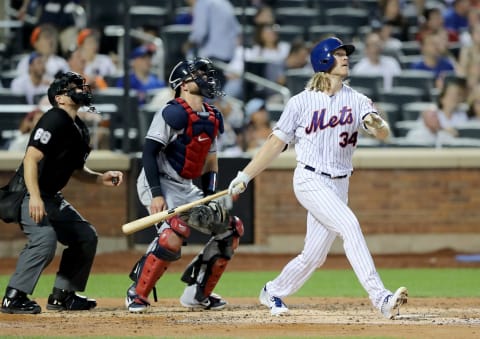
pixel 180 146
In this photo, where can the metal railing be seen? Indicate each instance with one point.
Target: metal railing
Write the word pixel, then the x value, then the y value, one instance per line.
pixel 119 32
pixel 258 80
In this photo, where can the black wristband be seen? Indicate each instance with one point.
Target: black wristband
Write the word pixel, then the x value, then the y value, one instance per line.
pixel 156 191
pixel 209 183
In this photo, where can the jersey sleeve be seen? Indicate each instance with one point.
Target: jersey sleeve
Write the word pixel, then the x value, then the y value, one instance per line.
pixel 48 129
pixel 287 124
pixel 366 107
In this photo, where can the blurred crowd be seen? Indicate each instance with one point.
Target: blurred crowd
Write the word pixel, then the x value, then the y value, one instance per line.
pixel 438 37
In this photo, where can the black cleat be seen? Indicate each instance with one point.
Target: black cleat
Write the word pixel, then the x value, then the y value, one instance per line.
pixel 16 302
pixel 61 300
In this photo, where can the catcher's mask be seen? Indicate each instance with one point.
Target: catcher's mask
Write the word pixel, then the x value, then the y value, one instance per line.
pixel 68 83
pixel 199 70
pixel 322 58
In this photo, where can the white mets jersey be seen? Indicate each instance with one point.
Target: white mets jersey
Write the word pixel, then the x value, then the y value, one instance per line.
pixel 324 128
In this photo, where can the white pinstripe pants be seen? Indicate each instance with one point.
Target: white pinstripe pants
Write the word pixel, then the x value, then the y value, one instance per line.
pixel 328 216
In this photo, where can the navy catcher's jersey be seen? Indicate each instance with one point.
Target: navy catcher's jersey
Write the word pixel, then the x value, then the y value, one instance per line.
pixel 65 145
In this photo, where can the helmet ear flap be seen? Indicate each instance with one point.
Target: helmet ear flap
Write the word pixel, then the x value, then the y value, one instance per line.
pixel 179 73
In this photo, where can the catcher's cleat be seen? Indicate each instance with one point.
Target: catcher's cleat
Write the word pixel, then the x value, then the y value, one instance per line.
pixel 135 303
pixel 391 305
pixel 212 302
pixel 17 302
pixel 61 300
pixel 275 304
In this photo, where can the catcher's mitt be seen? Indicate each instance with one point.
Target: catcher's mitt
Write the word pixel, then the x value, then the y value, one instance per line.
pixel 209 218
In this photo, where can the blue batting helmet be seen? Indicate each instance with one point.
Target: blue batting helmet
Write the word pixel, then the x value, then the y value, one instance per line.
pixel 321 56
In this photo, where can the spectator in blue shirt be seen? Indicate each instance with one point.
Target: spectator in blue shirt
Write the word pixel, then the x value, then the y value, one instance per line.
pixel 142 78
pixel 214 34
pixel 456 16
pixel 432 59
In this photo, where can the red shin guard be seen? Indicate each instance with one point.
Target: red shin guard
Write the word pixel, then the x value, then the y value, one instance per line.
pixel 152 270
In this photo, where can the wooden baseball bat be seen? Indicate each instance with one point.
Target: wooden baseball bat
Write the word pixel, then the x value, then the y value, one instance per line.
pixel 142 223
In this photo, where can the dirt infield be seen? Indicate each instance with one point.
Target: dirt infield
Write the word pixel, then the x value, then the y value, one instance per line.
pixel 245 318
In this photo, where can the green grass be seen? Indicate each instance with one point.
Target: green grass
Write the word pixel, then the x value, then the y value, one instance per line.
pixel 323 283
pixel 435 282
pixel 202 337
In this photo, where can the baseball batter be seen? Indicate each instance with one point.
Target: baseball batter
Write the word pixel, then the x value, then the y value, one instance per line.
pixel 323 122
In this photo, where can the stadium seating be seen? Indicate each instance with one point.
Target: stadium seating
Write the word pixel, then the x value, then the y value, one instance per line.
pixel 349 16
pixel 301 17
pixel 290 32
pixel 413 110
pixel 297 79
pixel 400 95
pixel 374 82
pixel 119 117
pixel 174 36
pixel 391 113
pixel 10 117
pixel 317 32
pixel 152 16
pixel 423 81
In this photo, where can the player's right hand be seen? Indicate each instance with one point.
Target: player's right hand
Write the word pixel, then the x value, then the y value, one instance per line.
pixel 157 205
pixel 239 184
pixel 36 208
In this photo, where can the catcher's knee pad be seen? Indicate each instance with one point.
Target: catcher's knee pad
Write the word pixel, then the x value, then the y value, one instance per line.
pixel 179 226
pixel 207 268
pixel 148 270
pixel 237 228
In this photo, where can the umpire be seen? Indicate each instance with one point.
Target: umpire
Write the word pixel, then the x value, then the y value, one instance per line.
pixel 57 150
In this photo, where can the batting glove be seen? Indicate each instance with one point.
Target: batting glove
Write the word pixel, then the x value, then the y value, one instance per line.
pixel 374 121
pixel 239 184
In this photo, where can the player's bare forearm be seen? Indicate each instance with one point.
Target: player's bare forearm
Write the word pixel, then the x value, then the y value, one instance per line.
pixel 211 163
pixel 30 170
pixel 267 153
pixel 109 178
pixel 87 175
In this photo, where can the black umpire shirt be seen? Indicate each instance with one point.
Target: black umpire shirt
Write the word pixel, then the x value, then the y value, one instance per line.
pixel 65 144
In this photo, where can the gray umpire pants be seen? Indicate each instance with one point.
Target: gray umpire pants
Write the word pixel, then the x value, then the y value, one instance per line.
pixel 65 225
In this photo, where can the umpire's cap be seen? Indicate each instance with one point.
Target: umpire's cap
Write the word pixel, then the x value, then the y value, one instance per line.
pixel 322 58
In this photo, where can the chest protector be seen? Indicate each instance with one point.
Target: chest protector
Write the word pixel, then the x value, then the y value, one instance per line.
pixel 187 153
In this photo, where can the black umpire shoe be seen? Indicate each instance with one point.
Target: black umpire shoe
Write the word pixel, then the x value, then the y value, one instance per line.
pixel 16 302
pixel 61 300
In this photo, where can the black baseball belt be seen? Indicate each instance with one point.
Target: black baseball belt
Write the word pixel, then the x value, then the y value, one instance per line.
pixel 312 169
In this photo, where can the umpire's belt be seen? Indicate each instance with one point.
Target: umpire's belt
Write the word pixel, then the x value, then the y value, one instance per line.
pixel 312 169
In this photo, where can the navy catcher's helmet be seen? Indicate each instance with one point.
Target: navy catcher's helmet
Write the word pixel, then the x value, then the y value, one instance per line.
pixel 67 83
pixel 201 71
pixel 322 58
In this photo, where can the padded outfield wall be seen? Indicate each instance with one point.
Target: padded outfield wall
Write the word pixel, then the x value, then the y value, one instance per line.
pixel 409 200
